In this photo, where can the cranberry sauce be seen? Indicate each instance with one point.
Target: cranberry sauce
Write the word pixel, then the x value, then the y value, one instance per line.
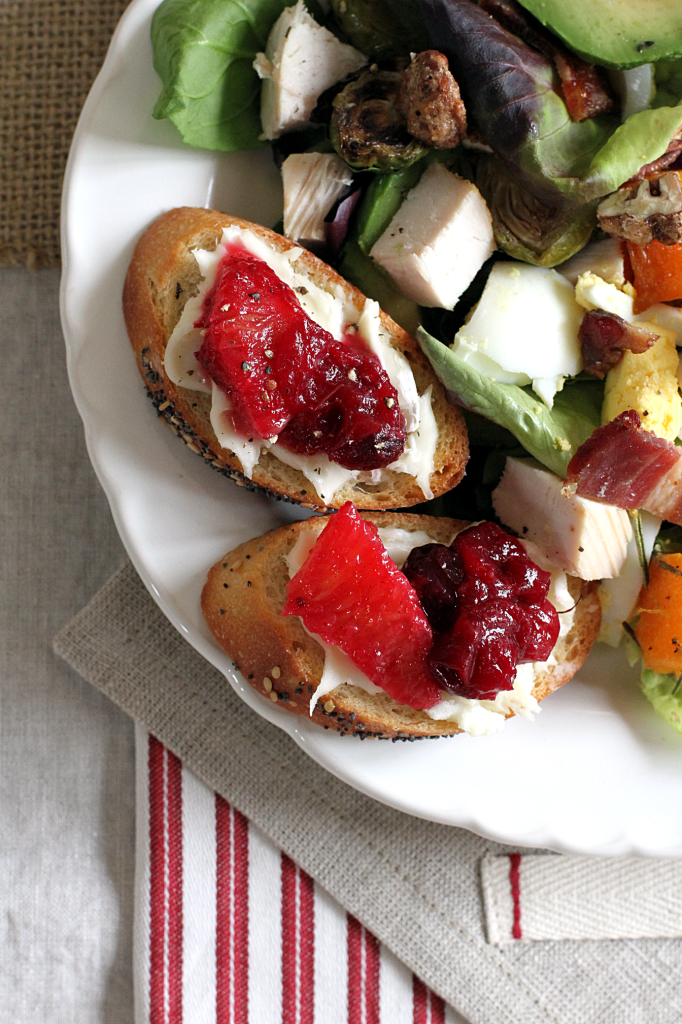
pixel 289 378
pixel 487 604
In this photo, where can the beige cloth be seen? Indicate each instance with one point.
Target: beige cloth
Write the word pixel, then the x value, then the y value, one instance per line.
pixel 50 53
pixel 414 884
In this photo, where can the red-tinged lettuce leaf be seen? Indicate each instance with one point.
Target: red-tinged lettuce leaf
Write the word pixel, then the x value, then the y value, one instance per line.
pixel 509 93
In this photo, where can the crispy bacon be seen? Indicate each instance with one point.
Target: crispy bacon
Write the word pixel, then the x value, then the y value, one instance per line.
pixel 604 337
pixel 584 87
pixel 624 465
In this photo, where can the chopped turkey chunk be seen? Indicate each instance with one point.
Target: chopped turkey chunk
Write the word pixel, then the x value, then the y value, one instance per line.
pixel 312 183
pixel 586 538
pixel 438 240
pixel 301 60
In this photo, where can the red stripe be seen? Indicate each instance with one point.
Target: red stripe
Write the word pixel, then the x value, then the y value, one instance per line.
pixel 372 969
pixel 307 948
pixel 157 863
pixel 437 1009
pixel 364 963
pixel 355 987
pixel 515 883
pixel 232 915
pixel 290 940
pixel 241 919
pixel 175 924
pixel 418 1001
pixel 165 885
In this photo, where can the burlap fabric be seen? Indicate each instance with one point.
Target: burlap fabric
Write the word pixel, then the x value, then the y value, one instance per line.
pixel 50 53
pixel 415 884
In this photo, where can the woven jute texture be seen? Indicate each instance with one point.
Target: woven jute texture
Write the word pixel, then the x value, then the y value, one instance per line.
pixel 50 53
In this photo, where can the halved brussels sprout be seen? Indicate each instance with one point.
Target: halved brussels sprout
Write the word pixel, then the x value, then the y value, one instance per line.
pixel 367 130
pixel 526 228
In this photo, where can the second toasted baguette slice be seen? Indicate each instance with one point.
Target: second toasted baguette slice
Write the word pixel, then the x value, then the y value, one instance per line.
pixel 164 274
pixel 242 602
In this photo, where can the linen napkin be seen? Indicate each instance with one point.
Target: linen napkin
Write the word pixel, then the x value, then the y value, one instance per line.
pixel 415 885
pixel 230 929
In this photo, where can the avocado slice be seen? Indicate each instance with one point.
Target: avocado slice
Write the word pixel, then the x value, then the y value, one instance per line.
pixel 616 33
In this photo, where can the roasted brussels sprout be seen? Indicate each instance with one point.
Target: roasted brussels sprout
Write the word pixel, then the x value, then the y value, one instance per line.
pixel 381 28
pixel 367 130
pixel 524 227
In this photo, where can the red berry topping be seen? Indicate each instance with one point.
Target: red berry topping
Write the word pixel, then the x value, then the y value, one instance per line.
pixel 353 595
pixel 288 377
pixel 487 602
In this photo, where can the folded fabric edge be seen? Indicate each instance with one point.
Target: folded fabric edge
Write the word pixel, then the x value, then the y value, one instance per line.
pixel 555 897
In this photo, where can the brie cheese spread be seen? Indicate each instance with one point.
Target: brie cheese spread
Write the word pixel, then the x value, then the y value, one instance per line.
pixel 332 311
pixel 476 717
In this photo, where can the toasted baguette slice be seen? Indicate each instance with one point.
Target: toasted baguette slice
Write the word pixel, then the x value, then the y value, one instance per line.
pixel 242 602
pixel 164 273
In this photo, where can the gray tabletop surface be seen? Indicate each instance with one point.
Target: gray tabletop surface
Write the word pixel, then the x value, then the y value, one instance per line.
pixel 67 779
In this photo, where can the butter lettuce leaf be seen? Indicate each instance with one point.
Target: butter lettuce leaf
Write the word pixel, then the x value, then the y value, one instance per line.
pixel 203 52
pixel 664 693
pixel 549 435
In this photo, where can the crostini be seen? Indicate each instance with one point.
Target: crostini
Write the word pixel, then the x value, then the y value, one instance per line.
pixel 197 267
pixel 251 597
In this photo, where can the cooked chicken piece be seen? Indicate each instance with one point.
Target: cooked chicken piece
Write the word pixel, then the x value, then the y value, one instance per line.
pixel 641 212
pixel 429 100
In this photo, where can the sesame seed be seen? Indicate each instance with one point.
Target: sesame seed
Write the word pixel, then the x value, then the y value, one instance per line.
pixel 237 565
pixel 329 706
pixel 276 672
pixel 267 683
pixel 293 704
pixel 193 447
pixel 273 696
pixel 164 406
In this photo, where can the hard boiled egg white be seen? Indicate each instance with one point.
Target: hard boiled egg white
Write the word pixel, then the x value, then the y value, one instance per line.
pixel 524 329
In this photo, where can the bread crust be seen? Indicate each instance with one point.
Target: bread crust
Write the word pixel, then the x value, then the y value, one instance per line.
pixel 163 274
pixel 242 602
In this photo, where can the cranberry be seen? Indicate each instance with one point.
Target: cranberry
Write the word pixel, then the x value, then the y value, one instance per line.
pixel 434 571
pixel 487 603
pixel 288 377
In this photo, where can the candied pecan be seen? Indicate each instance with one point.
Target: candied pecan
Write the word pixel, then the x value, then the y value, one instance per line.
pixel 429 100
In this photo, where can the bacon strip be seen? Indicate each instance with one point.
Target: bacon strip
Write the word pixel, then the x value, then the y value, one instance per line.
pixel 604 337
pixel 624 465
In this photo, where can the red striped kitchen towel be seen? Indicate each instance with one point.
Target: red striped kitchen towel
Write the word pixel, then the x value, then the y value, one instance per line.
pixel 229 930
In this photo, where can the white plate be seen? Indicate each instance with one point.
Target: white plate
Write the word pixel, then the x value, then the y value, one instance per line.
pixel 598 772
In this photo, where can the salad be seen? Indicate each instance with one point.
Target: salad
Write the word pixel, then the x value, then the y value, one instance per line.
pixel 505 179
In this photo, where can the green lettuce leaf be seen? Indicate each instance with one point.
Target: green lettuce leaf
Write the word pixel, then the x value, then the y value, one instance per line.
pixel 550 436
pixel 203 52
pixel 664 693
